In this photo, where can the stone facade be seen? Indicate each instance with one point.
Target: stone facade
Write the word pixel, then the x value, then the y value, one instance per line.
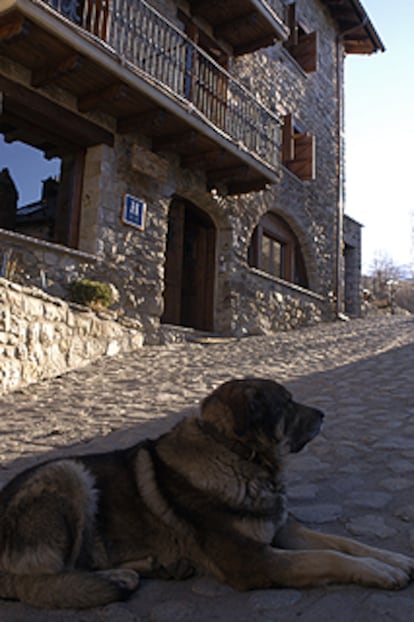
pixel 42 336
pixel 246 301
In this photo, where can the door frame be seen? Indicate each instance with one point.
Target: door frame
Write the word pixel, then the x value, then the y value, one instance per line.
pixel 189 225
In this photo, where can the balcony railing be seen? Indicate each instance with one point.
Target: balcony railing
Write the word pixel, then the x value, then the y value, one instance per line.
pixel 156 50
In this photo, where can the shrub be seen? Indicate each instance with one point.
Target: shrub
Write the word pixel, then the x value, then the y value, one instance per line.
pixel 94 294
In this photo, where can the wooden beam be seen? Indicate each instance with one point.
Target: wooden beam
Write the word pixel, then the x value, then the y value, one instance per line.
pixel 233 24
pixel 64 66
pixel 175 142
pixel 14 27
pixel 254 44
pixel 17 128
pixel 227 174
pixel 94 100
pixel 204 160
pixel 76 198
pixel 71 127
pixel 200 6
pixel 148 123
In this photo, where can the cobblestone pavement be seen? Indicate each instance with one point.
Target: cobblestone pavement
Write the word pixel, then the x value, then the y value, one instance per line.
pixel 356 478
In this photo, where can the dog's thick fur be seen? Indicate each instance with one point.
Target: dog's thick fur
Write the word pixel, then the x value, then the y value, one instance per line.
pixel 207 497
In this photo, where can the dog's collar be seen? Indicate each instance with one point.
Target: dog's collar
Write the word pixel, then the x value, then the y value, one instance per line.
pixel 243 451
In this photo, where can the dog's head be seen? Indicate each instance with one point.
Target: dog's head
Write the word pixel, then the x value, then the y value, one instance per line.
pixel 260 413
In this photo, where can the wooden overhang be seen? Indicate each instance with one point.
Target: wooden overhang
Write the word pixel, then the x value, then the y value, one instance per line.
pixel 355 27
pixel 58 54
pixel 38 121
pixel 247 25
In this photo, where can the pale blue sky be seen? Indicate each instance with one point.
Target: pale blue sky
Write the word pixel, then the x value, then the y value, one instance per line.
pixel 36 167
pixel 379 92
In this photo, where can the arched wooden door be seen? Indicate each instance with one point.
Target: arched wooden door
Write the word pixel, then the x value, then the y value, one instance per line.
pixel 190 267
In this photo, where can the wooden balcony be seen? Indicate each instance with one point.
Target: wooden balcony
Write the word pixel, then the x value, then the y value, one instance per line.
pixel 247 25
pixel 125 59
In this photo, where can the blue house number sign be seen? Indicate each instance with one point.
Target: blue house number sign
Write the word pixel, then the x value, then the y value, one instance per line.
pixel 133 212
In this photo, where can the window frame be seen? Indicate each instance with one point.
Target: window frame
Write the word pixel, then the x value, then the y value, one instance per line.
pixel 292 266
pixel 46 125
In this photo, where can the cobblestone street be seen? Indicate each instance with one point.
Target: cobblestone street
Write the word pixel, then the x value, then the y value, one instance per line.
pixel 356 478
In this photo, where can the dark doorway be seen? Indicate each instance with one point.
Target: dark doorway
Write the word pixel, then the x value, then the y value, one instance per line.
pixel 189 270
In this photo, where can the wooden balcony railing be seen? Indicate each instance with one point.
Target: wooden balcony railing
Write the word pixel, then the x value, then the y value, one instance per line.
pixel 159 52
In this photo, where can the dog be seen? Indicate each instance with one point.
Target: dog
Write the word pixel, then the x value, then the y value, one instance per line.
pixel 207 497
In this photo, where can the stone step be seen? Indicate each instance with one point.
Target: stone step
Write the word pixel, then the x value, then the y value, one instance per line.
pixel 171 333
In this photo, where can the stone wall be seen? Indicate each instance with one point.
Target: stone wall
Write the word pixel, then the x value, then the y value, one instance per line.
pixel 130 258
pixel 264 305
pixel 309 207
pixel 38 263
pixel 42 336
pixel 352 260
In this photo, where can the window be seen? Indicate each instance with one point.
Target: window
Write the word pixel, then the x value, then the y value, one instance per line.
pixel 272 255
pixel 274 249
pixel 302 45
pixel 298 149
pixel 40 197
pixel 45 133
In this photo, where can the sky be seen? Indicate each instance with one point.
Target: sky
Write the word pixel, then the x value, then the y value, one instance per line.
pixel 379 134
pixel 26 178
pixel 379 118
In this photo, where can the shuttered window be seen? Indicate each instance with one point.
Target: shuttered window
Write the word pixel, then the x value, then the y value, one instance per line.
pixel 302 45
pixel 298 150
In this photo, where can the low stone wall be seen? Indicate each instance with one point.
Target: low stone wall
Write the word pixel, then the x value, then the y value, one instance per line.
pixel 264 304
pixel 42 336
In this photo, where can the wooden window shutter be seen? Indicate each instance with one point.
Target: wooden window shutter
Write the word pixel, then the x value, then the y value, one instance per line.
pixel 288 143
pixel 304 163
pixel 305 52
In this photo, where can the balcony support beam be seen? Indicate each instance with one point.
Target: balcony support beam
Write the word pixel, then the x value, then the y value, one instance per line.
pixel 64 66
pixel 26 104
pixel 225 175
pixel 205 159
pixel 15 27
pixel 175 142
pixel 150 123
pixel 223 29
pixel 93 101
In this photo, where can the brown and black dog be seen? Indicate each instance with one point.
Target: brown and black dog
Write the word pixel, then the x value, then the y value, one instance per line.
pixel 207 497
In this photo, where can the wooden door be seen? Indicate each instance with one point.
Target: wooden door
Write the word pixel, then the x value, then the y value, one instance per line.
pixel 189 276
pixel 173 265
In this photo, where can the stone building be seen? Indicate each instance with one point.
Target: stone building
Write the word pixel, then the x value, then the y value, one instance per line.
pixel 201 153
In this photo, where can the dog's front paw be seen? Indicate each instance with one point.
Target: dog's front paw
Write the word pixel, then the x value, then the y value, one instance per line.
pixel 375 573
pixel 398 560
pixel 125 578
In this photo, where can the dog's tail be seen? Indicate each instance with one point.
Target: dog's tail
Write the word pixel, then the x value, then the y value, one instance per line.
pixel 75 589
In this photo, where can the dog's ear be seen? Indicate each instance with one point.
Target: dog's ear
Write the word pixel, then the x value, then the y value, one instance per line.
pixel 258 411
pixel 246 411
pixel 239 408
pixel 215 411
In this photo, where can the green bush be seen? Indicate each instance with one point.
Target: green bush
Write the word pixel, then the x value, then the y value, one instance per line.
pixel 91 293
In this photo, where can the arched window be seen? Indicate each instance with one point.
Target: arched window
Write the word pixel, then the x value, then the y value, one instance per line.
pixel 275 249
